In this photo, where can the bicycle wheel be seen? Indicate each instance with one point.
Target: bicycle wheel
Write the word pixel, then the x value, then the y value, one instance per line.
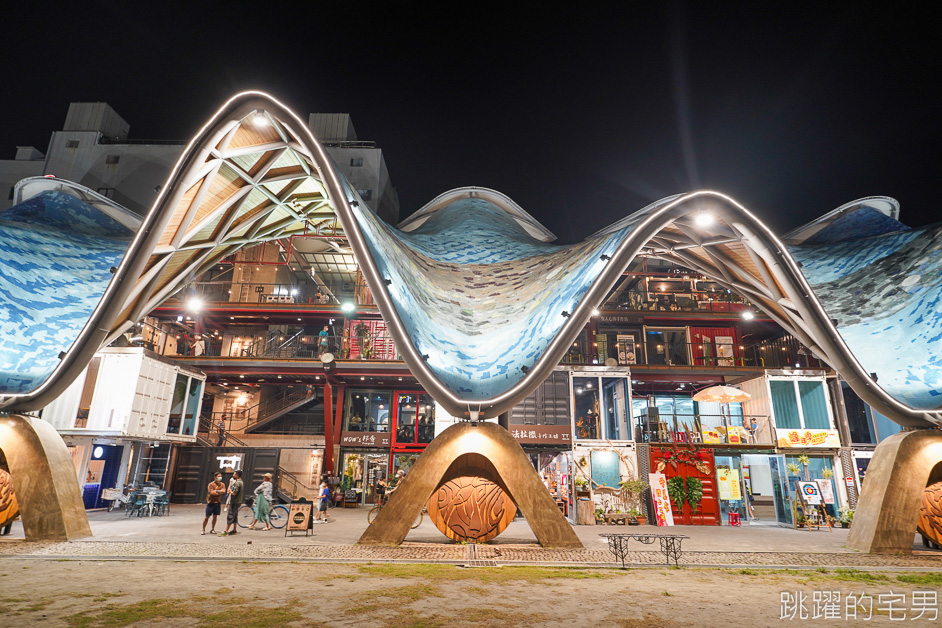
pixel 373 512
pixel 418 520
pixel 245 516
pixel 278 516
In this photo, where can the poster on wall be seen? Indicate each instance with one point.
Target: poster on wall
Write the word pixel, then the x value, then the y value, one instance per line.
pixel 729 485
pixel 605 471
pixel 827 493
pixel 809 493
pixel 626 349
pixel 724 350
pixel 661 500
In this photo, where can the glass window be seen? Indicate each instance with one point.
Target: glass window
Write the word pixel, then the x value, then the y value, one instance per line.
pixel 667 346
pixel 194 396
pixel 367 411
pixel 415 418
pixel 615 398
pixel 586 395
pixel 814 406
pixel 176 406
pixel 784 404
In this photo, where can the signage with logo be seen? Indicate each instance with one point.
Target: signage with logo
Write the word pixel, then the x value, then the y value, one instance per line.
pixel 807 438
pixel 299 516
pixel 230 462
pixel 365 439
pixel 542 434
pixel 809 493
pixel 616 319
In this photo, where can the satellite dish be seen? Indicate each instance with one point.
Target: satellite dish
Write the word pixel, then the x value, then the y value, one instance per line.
pixel 327 358
pixel 611 362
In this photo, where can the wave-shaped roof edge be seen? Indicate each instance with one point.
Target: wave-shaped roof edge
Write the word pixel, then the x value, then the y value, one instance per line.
pixel 531 225
pixel 740 252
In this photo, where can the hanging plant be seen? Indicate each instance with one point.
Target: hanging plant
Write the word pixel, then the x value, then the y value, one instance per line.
pixel 694 493
pixel 792 468
pixel 582 461
pixel 804 460
pixel 827 474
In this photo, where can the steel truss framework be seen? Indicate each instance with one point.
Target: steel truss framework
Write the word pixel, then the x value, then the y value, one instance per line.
pixel 255 172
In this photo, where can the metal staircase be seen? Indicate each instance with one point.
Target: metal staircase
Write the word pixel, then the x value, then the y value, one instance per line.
pixel 290 487
pixel 279 405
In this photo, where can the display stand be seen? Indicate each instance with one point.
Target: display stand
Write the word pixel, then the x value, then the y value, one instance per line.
pixel 812 507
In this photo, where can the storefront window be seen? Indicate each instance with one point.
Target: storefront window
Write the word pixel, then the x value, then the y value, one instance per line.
pixel 815 471
pixel 415 418
pixel 177 405
pixel 615 398
pixel 667 346
pixel 367 411
pixel 194 397
pixel 586 394
pixel 799 404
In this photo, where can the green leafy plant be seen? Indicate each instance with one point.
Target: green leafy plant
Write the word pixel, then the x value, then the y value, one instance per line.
pixel 804 460
pixel 694 492
pixel 582 461
pixel 845 515
pixel 801 520
pixel 632 490
pixel 599 514
pixel 792 468
pixel 676 491
pixel 827 474
pixel 634 512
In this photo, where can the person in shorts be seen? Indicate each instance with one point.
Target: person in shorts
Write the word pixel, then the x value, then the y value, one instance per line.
pixel 236 494
pixel 323 498
pixel 214 493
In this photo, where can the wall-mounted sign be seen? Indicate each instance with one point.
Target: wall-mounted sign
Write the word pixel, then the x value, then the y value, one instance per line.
pixel 364 439
pixel 615 319
pixel 230 462
pixel 626 349
pixel 660 498
pixel 807 438
pixel 542 434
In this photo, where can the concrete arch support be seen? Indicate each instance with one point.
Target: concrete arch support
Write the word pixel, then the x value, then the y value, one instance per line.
pixel 505 459
pixel 44 479
pixel 888 508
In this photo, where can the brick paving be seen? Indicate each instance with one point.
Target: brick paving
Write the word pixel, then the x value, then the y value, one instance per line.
pixel 429 552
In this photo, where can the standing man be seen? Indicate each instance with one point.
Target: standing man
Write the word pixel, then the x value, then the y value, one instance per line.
pixel 214 494
pixel 221 427
pixel 323 498
pixel 236 493
pixel 322 341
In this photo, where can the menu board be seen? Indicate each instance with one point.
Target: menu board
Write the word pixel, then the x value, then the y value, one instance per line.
pixel 662 502
pixel 299 516
pixel 729 485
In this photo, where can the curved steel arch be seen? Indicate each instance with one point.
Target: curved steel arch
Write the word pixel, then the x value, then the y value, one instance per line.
pixel 204 213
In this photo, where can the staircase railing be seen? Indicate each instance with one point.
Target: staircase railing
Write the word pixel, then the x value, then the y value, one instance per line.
pixel 289 484
pixel 207 426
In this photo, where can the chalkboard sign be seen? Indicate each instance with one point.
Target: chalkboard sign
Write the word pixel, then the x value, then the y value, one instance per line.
pixel 350 496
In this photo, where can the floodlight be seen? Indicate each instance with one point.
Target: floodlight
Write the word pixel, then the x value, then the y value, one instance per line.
pixel 348 307
pixel 704 219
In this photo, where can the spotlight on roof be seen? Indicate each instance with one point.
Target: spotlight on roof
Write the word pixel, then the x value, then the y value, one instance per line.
pixel 747 315
pixel 704 219
pixel 259 119
pixel 194 304
pixel 348 307
pixel 595 312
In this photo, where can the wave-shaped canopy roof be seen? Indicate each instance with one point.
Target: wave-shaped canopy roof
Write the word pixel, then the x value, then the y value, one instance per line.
pixel 480 303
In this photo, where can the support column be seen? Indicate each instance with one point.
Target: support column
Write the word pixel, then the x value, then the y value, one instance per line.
pixel 328 428
pixel 888 509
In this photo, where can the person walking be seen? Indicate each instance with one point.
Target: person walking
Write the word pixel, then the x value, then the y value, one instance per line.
pixel 214 493
pixel 236 493
pixel 263 498
pixel 323 498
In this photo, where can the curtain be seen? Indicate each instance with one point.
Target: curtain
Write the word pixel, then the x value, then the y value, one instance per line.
pixel 813 405
pixel 784 404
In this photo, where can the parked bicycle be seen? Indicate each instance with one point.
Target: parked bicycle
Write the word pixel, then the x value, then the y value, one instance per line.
pixel 246 515
pixel 374 511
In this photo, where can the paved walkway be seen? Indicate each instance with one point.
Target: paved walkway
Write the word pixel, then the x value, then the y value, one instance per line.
pixel 177 536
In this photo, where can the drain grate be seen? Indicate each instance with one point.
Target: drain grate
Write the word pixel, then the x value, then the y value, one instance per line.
pixel 483 563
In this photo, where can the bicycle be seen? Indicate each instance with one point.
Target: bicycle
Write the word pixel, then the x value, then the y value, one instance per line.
pixel 278 515
pixel 374 511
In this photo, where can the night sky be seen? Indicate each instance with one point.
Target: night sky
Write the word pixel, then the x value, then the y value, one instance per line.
pixel 580 115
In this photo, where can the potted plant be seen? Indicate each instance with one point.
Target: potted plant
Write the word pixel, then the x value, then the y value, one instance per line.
pixel 632 490
pixel 845 516
pixel 599 514
pixel 804 461
pixel 639 517
pixel 633 517
pixel 827 474
pixel 792 468
pixel 800 520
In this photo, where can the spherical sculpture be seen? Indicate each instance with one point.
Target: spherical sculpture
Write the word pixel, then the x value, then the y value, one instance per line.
pixel 8 507
pixel 471 509
pixel 930 514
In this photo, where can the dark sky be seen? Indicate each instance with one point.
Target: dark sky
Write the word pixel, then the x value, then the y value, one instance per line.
pixel 579 114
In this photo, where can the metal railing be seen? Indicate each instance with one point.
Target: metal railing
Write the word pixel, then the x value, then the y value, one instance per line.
pixel 209 435
pixel 308 347
pixel 327 293
pixel 779 353
pixel 291 485
pixel 706 428
pixel 689 301
pixel 244 419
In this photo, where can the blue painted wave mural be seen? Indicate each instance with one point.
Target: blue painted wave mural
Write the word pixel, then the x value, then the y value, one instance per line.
pixel 56 255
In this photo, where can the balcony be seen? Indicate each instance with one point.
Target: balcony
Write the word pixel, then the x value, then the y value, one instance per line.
pixel 302 293
pixel 712 429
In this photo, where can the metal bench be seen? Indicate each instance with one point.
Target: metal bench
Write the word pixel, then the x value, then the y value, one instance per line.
pixel 670 545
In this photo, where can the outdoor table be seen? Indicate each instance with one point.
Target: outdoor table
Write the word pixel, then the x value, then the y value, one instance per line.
pixel 670 544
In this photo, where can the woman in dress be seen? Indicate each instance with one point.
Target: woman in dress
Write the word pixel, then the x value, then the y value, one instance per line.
pixel 263 502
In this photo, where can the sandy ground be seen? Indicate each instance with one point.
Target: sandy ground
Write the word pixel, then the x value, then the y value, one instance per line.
pixel 214 593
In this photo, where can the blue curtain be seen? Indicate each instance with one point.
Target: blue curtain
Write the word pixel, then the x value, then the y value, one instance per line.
pixel 784 404
pixel 813 405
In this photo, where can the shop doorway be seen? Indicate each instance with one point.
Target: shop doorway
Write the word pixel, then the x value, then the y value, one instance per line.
pixel 362 472
pixel 102 473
